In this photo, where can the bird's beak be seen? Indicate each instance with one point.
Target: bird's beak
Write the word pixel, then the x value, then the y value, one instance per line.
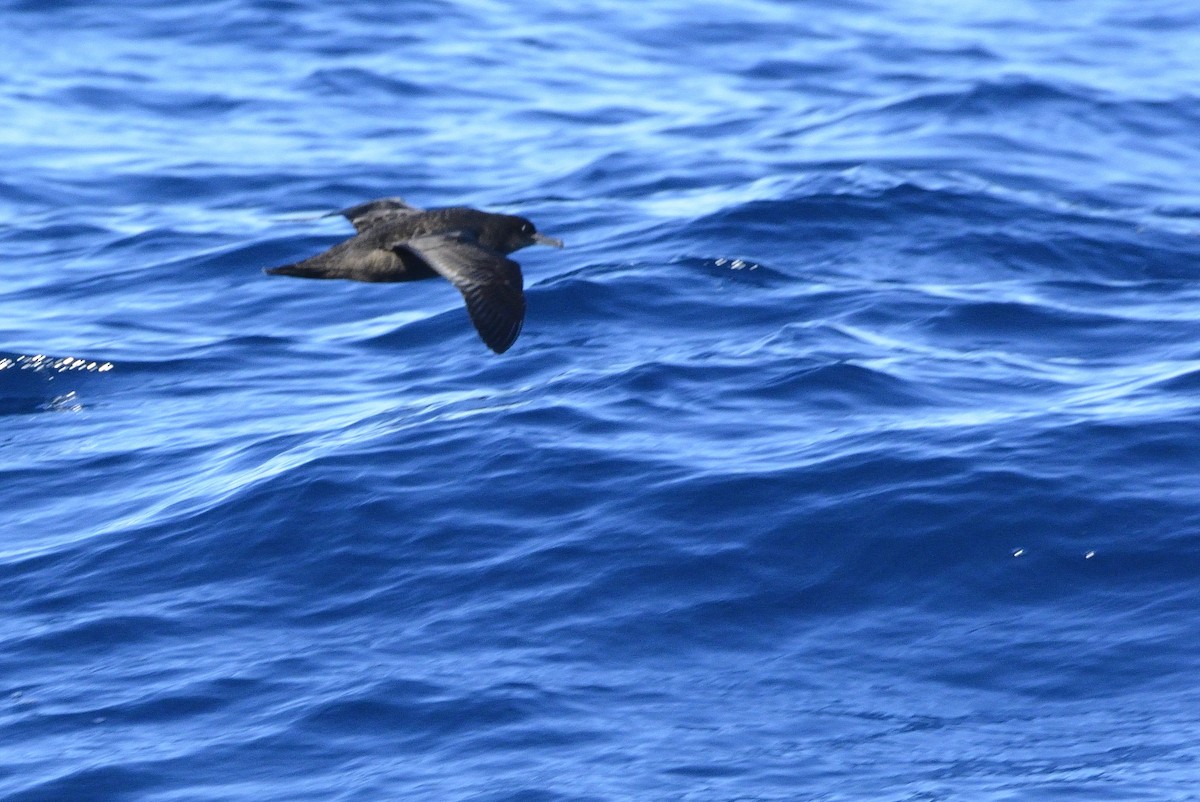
pixel 542 239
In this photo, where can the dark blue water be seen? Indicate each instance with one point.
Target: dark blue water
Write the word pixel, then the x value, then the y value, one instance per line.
pixel 849 452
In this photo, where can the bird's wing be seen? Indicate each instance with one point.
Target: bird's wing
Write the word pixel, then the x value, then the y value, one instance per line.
pixel 490 283
pixel 365 215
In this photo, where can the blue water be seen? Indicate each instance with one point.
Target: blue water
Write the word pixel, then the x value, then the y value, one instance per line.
pixel 849 452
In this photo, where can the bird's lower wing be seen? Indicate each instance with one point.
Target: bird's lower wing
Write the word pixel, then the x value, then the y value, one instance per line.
pixel 490 282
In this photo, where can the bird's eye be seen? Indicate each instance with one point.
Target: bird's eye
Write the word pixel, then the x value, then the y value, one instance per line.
pixel 527 228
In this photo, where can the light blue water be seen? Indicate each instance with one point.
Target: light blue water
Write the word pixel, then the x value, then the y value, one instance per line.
pixel 849 451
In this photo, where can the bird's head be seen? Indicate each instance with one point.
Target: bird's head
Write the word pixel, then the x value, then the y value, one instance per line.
pixel 523 234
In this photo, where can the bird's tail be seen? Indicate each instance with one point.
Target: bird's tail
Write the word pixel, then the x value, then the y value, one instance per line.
pixel 300 270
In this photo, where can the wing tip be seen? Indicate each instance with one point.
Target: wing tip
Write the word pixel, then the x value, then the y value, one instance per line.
pixel 498 327
pixel 501 344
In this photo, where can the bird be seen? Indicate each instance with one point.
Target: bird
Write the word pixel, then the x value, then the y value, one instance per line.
pixel 399 242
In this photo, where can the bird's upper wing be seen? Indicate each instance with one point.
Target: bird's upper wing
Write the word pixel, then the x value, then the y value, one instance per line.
pixel 490 282
pixel 365 215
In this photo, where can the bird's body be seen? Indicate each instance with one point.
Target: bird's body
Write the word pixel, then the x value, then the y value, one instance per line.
pixel 398 242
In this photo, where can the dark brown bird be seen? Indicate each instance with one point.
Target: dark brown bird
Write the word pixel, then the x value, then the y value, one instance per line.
pixel 398 242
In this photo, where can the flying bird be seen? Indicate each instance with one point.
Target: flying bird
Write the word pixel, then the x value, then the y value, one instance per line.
pixel 469 247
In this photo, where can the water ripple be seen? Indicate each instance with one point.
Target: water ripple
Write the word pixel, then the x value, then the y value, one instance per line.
pixel 849 446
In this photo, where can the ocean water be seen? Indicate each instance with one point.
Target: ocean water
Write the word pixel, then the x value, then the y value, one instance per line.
pixel 849 452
